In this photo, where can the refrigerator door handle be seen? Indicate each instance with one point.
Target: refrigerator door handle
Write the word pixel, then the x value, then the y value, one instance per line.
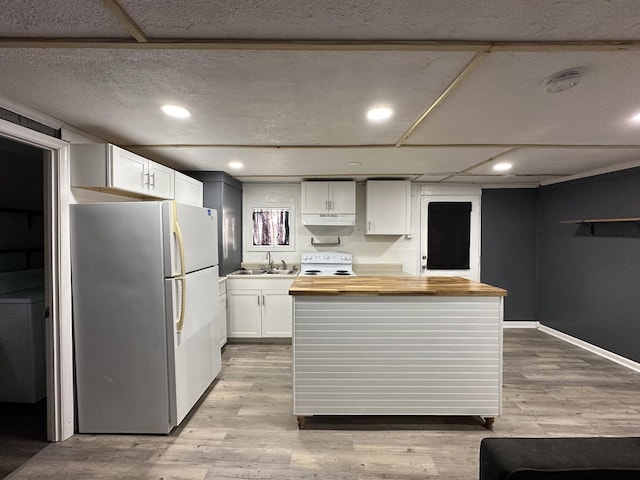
pixel 183 299
pixel 183 291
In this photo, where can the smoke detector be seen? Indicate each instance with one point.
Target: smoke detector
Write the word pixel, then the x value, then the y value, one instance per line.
pixel 561 81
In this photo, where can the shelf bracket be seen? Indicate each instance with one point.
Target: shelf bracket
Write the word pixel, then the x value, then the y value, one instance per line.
pixel 590 225
pixel 325 244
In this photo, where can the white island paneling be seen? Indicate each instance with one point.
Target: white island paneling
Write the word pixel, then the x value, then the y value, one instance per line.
pixel 397 355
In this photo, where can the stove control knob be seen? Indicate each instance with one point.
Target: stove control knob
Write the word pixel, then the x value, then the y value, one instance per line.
pixel 326 257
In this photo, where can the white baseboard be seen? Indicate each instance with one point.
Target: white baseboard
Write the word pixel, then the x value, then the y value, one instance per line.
pixel 614 357
pixel 516 324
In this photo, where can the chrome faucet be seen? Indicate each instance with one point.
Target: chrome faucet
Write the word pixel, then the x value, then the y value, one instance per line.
pixel 270 261
pixel 284 264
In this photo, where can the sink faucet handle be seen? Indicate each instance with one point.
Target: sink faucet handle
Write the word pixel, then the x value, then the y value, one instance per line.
pixel 284 264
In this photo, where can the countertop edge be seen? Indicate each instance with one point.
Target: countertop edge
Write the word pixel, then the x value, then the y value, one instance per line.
pixel 393 286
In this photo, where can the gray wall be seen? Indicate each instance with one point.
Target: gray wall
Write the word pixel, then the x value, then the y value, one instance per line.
pixel 509 233
pixel 589 285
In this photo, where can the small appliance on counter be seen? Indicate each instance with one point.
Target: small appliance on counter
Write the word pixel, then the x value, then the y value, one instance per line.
pixel 326 264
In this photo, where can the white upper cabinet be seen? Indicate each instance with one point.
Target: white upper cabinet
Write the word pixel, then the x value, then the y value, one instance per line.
pixel 106 166
pixel 329 197
pixel 188 190
pixel 388 207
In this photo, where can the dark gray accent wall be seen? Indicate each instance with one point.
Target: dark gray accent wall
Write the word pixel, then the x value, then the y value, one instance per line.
pixel 589 284
pixel 224 193
pixel 509 236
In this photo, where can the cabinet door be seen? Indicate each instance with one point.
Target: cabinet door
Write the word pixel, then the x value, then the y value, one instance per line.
pixel 128 171
pixel 388 207
pixel 221 326
pixel 161 181
pixel 342 197
pixel 277 316
pixel 315 197
pixel 244 313
pixel 188 190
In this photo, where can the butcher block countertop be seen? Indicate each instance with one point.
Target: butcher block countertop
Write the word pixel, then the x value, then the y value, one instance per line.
pixel 392 285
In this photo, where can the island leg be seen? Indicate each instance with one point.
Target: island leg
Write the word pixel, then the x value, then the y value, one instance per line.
pixel 488 423
pixel 301 420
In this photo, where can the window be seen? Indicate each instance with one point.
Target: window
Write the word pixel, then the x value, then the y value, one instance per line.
pixel 271 228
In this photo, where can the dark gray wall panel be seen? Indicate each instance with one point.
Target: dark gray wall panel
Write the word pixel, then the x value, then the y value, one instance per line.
pixel 588 285
pixel 509 226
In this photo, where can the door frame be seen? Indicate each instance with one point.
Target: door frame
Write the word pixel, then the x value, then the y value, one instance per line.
pixel 452 194
pixel 58 326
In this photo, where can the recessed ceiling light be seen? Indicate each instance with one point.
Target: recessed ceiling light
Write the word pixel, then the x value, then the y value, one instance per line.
pixel 561 81
pixel 235 165
pixel 502 167
pixel 175 111
pixel 636 118
pixel 354 164
pixel 379 114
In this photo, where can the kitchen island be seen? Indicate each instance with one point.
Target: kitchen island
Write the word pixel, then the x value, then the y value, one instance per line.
pixel 396 345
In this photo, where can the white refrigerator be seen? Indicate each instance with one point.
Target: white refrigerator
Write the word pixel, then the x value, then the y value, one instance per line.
pixel 145 283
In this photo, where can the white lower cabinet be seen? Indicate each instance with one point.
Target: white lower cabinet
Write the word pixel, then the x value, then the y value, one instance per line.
pixel 259 307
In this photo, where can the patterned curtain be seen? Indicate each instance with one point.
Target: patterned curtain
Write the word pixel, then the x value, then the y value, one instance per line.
pixel 271 226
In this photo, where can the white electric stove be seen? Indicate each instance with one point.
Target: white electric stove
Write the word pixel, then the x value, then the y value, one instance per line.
pixel 326 264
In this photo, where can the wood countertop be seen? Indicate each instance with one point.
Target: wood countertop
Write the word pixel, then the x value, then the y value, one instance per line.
pixel 392 285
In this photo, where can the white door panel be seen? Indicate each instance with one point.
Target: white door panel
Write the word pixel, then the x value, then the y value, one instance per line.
pixel 199 228
pixel 195 350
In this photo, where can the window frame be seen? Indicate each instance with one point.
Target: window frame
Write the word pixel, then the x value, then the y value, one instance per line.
pixel 250 247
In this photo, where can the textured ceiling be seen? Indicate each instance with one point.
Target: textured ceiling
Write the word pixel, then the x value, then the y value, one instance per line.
pixel 284 86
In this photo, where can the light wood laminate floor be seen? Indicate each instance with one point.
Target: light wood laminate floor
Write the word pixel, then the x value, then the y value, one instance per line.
pixel 245 430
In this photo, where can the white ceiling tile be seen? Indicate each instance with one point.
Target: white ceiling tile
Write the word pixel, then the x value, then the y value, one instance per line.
pixel 430 178
pixel 526 180
pixel 324 161
pixel 58 18
pixel 495 20
pixel 236 97
pixel 503 102
pixel 560 161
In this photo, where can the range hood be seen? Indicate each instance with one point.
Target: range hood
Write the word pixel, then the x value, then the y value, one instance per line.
pixel 328 219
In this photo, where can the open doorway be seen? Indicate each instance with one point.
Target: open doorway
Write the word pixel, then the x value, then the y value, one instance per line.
pixel 23 408
pixel 57 277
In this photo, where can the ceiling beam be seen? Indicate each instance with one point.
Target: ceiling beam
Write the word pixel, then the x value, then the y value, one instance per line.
pixel 143 43
pixel 126 21
pixel 405 146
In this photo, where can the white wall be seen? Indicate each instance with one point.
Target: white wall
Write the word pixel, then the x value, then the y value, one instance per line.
pixel 366 249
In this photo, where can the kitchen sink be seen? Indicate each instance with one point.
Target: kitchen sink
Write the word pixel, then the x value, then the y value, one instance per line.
pixel 258 271
pixel 281 272
pixel 248 272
